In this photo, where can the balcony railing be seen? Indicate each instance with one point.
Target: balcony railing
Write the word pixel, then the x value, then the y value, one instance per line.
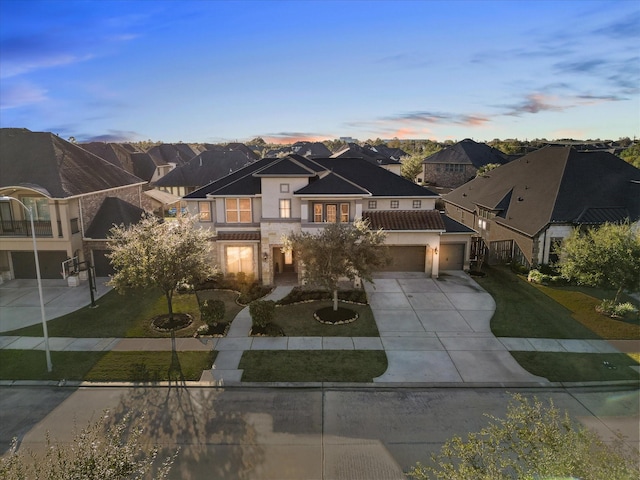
pixel 22 228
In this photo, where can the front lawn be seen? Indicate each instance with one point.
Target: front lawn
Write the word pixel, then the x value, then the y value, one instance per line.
pixel 297 321
pixel 119 316
pixel 104 366
pixel 578 367
pixel 524 311
pixel 312 366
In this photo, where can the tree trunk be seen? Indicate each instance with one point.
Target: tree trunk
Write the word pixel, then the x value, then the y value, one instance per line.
pixel 618 292
pixel 169 295
pixel 335 300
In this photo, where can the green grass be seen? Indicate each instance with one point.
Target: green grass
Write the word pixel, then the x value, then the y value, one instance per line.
pixel 119 316
pixel 103 366
pixel 298 321
pixel 578 367
pixel 231 308
pixel 312 366
pixel 524 311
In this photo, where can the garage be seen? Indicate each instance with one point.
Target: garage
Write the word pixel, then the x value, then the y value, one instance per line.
pixel 451 256
pixel 24 264
pixel 102 264
pixel 406 259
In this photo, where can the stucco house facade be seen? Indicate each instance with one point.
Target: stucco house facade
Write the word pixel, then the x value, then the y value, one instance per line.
pixel 523 209
pixel 250 211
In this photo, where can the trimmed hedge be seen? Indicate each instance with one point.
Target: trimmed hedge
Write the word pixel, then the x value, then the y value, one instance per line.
pixel 299 294
pixel 262 312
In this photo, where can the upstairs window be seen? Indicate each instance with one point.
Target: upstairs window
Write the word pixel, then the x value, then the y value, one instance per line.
pixel 238 210
pixel 417 203
pixel 373 204
pixel 39 208
pixel 285 208
pixel 331 212
pixel 204 209
pixel 395 203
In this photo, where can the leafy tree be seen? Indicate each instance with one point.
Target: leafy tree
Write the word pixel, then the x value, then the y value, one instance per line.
pixel 92 455
pixel 632 155
pixel 158 254
pixel 607 256
pixel 411 166
pixel 486 168
pixel 339 250
pixel 533 441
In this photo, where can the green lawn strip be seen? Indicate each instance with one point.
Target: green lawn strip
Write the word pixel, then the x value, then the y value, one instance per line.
pixel 524 311
pixel 313 365
pixel 297 321
pixel 578 367
pixel 103 366
pixel 119 316
pixel 32 365
pixel 150 366
pixel 583 308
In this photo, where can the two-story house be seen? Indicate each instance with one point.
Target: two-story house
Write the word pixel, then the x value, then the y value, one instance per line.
pixel 251 210
pixel 65 187
pixel 524 209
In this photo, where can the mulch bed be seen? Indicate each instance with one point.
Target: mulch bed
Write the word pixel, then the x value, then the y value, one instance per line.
pixel 270 330
pixel 329 316
pixel 163 324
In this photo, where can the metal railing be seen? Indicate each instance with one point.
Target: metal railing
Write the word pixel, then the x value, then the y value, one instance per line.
pixel 22 228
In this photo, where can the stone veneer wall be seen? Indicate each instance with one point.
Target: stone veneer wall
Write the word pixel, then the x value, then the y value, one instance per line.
pixel 441 178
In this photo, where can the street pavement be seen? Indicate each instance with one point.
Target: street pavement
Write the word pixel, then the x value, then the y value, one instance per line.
pixel 296 433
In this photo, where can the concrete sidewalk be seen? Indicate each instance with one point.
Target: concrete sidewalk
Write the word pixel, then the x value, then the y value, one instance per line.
pixel 433 331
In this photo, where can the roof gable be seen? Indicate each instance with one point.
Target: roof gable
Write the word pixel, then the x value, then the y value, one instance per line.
pixel 113 211
pixel 332 184
pixel 467 152
pixel 57 168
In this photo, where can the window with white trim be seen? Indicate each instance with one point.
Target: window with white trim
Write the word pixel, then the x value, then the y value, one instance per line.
pixel 39 207
pixel 331 212
pixel 239 259
pixel 238 210
pixel 417 203
pixel 373 204
pixel 395 203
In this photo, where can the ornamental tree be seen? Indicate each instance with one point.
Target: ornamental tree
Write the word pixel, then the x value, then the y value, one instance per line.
pixel 607 257
pixel 159 254
pixel 339 250
pixel 533 441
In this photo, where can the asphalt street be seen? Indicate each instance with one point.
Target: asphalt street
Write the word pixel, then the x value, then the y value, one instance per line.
pixel 295 433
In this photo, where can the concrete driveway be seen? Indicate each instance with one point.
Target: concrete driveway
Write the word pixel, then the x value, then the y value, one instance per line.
pixel 437 330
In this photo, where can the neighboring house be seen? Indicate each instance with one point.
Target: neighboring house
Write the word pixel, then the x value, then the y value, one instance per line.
pixel 131 159
pixel 206 167
pixel 250 210
pixel 526 207
pixel 372 155
pixel 66 187
pixel 306 149
pixel 457 164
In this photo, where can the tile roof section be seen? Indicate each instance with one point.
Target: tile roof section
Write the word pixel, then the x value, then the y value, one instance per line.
pixel 405 220
pixel 238 236
pixel 113 211
pixel 56 168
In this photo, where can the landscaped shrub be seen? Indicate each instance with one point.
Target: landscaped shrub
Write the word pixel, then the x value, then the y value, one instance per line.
pixel 262 312
pixel 300 294
pixel 212 311
pixel 254 292
pixel 612 309
pixel 536 276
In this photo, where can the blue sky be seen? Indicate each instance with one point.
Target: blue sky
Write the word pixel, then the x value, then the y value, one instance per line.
pixel 215 71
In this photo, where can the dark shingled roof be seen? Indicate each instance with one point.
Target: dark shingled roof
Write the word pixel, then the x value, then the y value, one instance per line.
pixel 288 166
pixel 113 211
pixel 468 152
pixel 55 167
pixel 404 220
pixel 206 167
pixel 554 185
pixel 369 153
pixel 231 236
pixel 335 176
pixel 178 153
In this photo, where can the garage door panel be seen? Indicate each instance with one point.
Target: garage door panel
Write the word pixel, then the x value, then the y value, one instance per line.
pixel 406 259
pixel 451 256
pixel 24 265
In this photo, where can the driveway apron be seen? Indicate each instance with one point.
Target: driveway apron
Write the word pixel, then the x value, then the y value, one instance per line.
pixel 437 331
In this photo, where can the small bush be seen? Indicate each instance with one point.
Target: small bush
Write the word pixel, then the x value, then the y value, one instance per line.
pixel 262 312
pixel 254 292
pixel 212 311
pixel 612 309
pixel 536 276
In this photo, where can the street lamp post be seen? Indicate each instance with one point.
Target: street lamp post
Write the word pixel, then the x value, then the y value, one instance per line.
pixel 35 254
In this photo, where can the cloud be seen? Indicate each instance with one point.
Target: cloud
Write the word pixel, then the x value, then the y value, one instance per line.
pixel 440 118
pixel 293 137
pixel 581 66
pixel 534 103
pixel 624 28
pixel 21 94
pixel 111 136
